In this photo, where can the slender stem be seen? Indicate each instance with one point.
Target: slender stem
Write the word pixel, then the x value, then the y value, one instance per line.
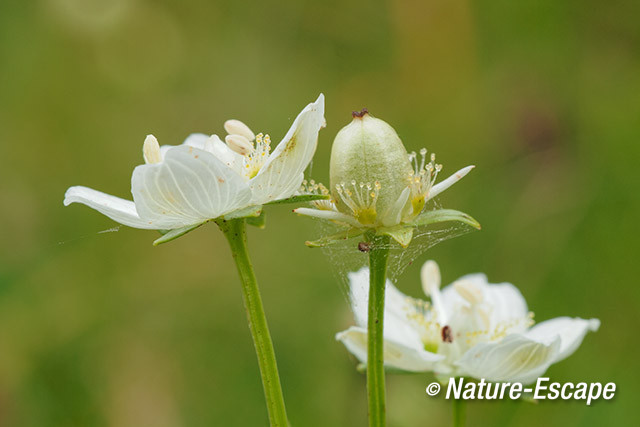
pixel 459 412
pixel 378 256
pixel 234 231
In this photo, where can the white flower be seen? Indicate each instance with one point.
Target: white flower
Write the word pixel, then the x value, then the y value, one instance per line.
pixel 204 178
pixel 470 328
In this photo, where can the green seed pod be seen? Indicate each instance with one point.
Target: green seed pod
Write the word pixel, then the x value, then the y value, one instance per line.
pixel 370 171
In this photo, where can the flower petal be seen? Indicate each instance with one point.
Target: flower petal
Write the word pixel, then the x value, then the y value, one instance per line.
pixel 396 354
pixel 282 173
pixel 225 154
pixel 570 331
pixel 397 308
pixel 514 359
pixel 119 210
pixel 190 186
pixel 195 140
pixel 505 300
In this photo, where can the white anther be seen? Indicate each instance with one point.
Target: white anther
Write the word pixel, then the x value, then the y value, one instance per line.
pixel 151 150
pixel 236 127
pixel 239 144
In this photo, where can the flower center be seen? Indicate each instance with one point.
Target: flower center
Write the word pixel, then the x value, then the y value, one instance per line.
pixel 422 178
pixel 254 148
pixel 255 159
pixel 423 316
pixel 361 199
pixel 467 325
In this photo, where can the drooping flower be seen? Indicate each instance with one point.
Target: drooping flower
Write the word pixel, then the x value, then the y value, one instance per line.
pixel 181 187
pixel 377 185
pixel 471 328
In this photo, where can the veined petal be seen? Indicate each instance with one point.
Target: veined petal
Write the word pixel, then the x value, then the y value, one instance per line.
pixel 397 355
pixel 119 210
pixel 570 331
pixel 190 186
pixel 197 140
pixel 514 359
pixel 281 175
pixel 441 186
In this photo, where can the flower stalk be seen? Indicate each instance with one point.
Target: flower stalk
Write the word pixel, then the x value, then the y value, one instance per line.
pixel 378 257
pixel 459 412
pixel 235 232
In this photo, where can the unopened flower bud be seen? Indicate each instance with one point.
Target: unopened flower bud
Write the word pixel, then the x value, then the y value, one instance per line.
pixel 369 169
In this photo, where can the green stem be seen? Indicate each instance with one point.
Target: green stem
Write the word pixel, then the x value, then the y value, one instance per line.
pixel 234 231
pixel 378 256
pixel 459 412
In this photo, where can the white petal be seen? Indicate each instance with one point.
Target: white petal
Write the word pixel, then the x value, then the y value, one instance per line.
pixel 120 210
pixel 505 301
pixel 514 359
pixel 195 140
pixel 225 154
pixel 328 215
pixel 441 186
pixel 397 309
pixel 571 332
pixel 282 173
pixel 190 186
pixel 396 355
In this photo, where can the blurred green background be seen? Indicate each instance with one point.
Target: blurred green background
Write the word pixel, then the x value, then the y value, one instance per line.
pixel 102 329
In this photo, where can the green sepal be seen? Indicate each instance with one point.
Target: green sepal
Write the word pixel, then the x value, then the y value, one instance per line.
pixel 300 199
pixel 444 215
pixel 251 211
pixel 335 238
pixel 257 221
pixel 400 234
pixel 169 235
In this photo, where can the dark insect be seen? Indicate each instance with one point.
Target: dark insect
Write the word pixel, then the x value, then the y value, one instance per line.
pixel 360 113
pixel 364 247
pixel 447 335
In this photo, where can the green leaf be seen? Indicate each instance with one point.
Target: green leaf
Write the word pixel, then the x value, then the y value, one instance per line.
pixel 257 221
pixel 335 238
pixel 300 199
pixel 175 233
pixel 244 213
pixel 444 215
pixel 400 234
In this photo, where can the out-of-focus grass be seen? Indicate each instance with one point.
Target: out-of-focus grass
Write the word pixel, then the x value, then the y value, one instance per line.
pixel 104 329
